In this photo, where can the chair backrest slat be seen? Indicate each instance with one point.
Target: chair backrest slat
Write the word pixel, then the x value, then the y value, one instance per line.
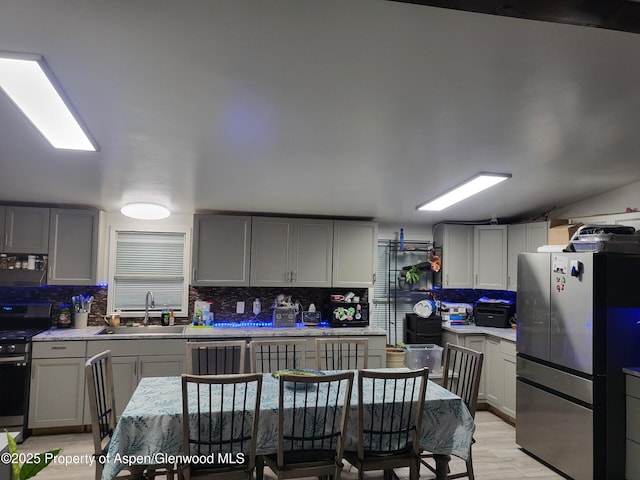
pixel 221 414
pixel 462 370
pixel 268 356
pixel 313 413
pixel 99 381
pixel 342 354
pixel 216 357
pixel 393 422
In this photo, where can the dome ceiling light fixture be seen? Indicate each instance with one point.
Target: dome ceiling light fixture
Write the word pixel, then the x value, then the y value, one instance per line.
pixel 475 184
pixel 145 211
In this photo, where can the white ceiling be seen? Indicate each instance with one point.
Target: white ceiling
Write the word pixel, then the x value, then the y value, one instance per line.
pixel 362 108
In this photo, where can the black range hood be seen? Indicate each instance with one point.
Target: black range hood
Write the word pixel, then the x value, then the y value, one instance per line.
pixel 22 278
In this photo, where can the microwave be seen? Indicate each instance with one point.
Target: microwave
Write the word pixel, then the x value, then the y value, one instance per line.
pixel 346 314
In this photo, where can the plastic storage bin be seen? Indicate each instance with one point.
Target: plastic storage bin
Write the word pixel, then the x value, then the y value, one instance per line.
pixel 424 355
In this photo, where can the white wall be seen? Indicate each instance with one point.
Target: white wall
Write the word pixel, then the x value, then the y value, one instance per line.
pixel 416 233
pixel 615 201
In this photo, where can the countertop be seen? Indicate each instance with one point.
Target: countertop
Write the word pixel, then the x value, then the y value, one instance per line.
pixel 504 333
pixel 634 371
pixel 94 333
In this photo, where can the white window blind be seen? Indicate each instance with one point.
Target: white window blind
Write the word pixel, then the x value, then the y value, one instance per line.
pixel 152 261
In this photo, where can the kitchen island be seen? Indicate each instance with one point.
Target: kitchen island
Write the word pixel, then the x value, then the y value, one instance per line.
pixel 58 399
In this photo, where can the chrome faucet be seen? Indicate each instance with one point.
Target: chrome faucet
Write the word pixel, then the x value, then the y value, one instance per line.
pixel 148 304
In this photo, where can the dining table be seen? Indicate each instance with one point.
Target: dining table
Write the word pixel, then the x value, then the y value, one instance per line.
pixel 151 424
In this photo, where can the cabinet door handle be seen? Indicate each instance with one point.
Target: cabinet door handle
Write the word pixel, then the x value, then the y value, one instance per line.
pixel 194 275
pixel 374 278
pixel 61 347
pixel 476 284
pixel 446 279
pixel 293 276
pixel 508 281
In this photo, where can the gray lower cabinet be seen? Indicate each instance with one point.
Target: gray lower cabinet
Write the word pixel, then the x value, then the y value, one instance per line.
pixel 354 253
pixel 633 427
pixel 136 359
pixel 26 230
pixel 221 250
pixel 57 387
pixel 498 379
pixel 73 247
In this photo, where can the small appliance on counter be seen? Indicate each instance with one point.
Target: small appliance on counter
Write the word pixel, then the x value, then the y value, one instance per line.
pixel 348 314
pixel 494 314
pixel 284 317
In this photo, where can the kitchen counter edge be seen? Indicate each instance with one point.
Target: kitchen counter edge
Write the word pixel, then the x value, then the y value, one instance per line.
pixel 94 333
pixel 503 333
pixel 633 371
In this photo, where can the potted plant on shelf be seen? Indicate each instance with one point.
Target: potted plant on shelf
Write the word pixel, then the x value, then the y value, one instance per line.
pixel 412 275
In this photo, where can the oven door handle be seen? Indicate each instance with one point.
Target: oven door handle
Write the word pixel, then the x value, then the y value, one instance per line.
pixel 13 360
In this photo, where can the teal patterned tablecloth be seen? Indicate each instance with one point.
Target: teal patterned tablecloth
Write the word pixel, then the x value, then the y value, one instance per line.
pixel 152 422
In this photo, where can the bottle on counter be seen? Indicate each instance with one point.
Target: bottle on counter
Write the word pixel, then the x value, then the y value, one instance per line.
pixel 64 316
pixel 166 314
pixel 257 307
pixel 172 318
pixel 4 261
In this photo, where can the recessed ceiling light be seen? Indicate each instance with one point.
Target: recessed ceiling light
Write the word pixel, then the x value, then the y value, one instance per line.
pixel 145 211
pixel 28 82
pixel 470 187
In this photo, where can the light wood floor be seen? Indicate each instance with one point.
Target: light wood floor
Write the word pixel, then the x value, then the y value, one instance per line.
pixel 495 456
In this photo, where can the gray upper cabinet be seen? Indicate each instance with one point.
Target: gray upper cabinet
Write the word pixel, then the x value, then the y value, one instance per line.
pixel 517 243
pixel 456 242
pixel 523 238
pixel 26 230
pixel 221 249
pixel 490 257
pixel 354 253
pixel 73 247
pixel 291 252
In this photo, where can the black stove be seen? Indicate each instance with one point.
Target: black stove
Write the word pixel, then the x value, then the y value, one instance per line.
pixel 19 323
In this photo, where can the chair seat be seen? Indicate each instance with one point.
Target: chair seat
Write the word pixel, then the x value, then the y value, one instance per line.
pixel 303 457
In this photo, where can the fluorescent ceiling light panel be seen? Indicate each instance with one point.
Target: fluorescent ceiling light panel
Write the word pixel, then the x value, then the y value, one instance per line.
pixel 26 80
pixel 145 211
pixel 474 185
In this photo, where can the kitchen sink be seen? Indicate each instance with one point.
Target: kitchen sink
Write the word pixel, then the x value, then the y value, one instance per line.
pixel 149 330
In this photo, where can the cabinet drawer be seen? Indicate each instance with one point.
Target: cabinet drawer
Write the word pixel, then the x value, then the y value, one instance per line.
pixel 62 349
pixel 119 348
pixel 633 418
pixel 508 348
pixel 633 386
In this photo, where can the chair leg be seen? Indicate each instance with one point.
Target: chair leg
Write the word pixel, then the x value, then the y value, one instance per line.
pixel 259 467
pixel 469 463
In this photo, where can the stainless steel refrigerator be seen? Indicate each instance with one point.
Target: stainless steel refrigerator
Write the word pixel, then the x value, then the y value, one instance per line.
pixel 578 318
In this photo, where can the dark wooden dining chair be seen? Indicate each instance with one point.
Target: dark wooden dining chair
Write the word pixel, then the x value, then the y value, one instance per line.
pixel 220 415
pixel 312 418
pixel 461 375
pixel 216 358
pixel 390 429
pixel 342 354
pixel 102 406
pixel 269 356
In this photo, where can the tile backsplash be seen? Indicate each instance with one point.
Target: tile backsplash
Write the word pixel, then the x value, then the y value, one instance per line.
pixel 224 299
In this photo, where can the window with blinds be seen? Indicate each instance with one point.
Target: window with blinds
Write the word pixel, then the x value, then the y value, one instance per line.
pixel 149 261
